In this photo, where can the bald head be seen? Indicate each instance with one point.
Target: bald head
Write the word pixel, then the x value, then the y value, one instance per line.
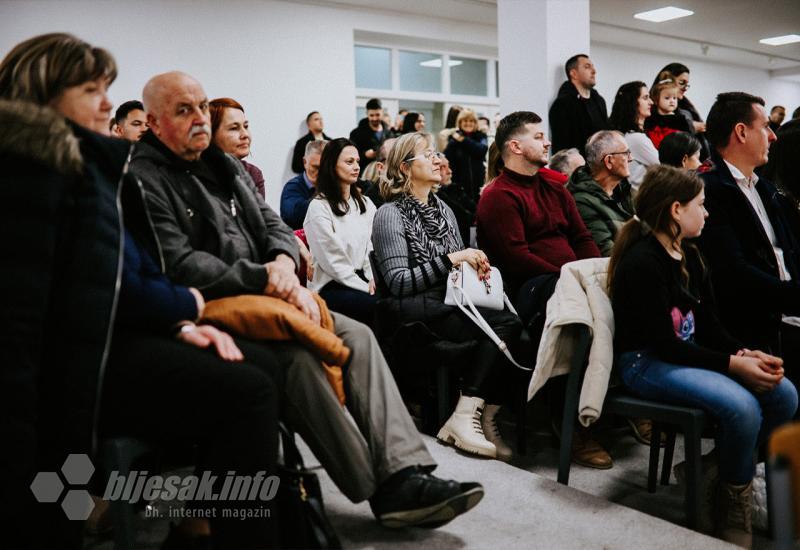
pixel 177 113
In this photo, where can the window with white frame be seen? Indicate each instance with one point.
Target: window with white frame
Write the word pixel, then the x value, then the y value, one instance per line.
pixel 425 81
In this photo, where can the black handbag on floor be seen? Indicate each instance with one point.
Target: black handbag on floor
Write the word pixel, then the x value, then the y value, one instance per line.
pixel 303 523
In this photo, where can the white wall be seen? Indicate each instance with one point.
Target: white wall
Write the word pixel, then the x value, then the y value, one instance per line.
pixel 282 59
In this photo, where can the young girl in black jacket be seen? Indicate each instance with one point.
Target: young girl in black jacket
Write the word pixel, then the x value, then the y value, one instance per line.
pixel 673 349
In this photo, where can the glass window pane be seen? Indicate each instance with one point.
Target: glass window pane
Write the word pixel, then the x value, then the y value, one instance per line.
pixel 467 76
pixel 373 68
pixel 420 72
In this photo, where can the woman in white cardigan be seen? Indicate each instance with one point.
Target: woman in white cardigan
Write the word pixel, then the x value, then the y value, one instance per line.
pixel 632 106
pixel 338 227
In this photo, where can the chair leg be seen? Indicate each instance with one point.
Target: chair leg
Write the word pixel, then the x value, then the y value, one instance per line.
pixel 691 435
pixel 655 450
pixel 442 394
pixel 522 432
pixel 119 455
pixel 669 452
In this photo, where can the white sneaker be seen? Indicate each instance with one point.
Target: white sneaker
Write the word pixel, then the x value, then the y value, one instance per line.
pixel 492 432
pixel 463 429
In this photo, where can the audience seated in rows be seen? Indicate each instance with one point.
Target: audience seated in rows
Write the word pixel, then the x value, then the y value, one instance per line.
pixel 672 347
pixel 601 189
pixel 316 132
pixel 373 191
pixel 338 227
pixel 578 110
pixel 380 456
pixel 632 106
pixel 298 191
pixel 230 131
pixel 416 242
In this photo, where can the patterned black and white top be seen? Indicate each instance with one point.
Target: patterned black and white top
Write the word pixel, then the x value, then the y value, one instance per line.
pixel 411 242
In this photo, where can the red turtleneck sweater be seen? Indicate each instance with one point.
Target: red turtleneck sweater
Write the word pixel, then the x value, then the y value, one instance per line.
pixel 529 225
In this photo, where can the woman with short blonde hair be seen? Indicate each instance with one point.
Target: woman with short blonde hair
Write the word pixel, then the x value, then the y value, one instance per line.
pixel 416 241
pixel 466 151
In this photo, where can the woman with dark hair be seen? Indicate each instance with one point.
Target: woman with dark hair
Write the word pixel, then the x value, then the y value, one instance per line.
pixel 632 106
pixel 338 227
pixel 672 348
pixel 680 73
pixel 230 131
pixel 681 150
pixel 413 122
pixel 91 328
pixel 449 127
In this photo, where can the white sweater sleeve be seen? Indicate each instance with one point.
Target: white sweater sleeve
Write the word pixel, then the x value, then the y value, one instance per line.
pixel 327 247
pixel 642 148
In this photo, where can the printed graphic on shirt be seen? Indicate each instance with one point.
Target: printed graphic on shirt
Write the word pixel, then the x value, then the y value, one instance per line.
pixel 683 325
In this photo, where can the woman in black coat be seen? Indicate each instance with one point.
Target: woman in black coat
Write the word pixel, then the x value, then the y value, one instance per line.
pixel 466 151
pixel 92 332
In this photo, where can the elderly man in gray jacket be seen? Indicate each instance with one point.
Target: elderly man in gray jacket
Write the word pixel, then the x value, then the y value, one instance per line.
pixel 216 234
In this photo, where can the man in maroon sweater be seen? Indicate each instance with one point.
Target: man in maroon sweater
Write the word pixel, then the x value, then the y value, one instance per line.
pixel 529 227
pixel 528 223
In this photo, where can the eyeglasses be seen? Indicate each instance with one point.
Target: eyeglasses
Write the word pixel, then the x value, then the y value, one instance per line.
pixel 626 153
pixel 430 154
pixel 684 84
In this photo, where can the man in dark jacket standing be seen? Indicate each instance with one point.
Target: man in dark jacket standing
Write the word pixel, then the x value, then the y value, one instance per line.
pixel 578 111
pixel 315 126
pixel 753 254
pixel 370 133
pixel 215 232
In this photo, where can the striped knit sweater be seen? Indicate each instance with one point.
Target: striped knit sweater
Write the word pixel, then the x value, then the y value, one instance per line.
pixel 403 275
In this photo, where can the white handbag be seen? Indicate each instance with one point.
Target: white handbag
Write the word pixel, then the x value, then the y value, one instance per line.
pixel 466 290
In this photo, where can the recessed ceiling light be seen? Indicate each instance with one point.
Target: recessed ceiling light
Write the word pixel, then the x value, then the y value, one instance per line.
pixel 781 40
pixel 663 14
pixel 437 63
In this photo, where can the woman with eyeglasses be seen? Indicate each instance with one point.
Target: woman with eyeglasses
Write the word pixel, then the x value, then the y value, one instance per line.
pixel 338 226
pixel 417 242
pixel 680 73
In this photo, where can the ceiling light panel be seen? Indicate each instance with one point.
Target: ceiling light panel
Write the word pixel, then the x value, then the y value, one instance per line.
pixel 663 14
pixel 781 40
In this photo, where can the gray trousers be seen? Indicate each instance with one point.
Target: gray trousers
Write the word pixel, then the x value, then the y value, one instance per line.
pixel 383 440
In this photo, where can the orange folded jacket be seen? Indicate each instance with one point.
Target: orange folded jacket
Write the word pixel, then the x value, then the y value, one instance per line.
pixel 265 318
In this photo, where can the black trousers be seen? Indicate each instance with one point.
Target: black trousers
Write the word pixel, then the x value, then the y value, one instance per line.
pixel 487 373
pixel 165 391
pixel 349 301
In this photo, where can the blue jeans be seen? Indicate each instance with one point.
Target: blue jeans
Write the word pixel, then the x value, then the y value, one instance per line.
pixel 745 419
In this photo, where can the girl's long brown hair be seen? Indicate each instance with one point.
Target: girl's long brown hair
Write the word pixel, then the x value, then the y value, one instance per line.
pixel 661 187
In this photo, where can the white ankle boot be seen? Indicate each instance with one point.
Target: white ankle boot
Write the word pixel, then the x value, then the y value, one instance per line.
pixel 492 433
pixel 463 429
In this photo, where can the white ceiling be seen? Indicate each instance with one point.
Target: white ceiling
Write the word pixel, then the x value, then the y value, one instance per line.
pixel 724 30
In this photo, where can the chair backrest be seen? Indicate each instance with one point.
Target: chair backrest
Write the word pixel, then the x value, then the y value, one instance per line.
pixel 784 454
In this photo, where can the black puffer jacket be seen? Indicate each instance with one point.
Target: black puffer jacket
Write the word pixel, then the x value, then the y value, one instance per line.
pixel 364 138
pixel 466 160
pixel 60 258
